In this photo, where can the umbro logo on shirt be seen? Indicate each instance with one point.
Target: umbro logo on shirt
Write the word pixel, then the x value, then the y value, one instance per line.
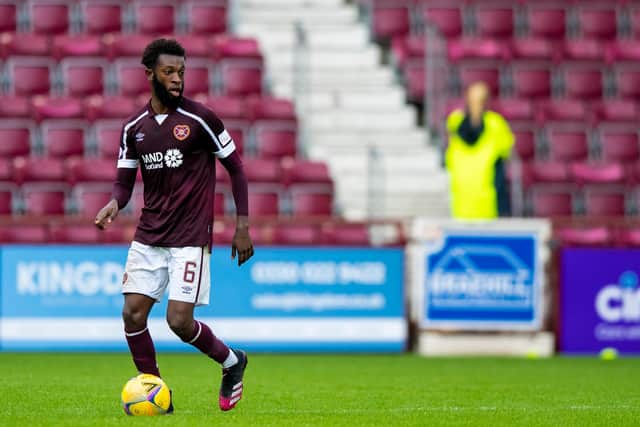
pixel 139 136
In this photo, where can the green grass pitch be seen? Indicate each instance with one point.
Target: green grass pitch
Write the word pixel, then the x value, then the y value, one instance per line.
pixel 343 390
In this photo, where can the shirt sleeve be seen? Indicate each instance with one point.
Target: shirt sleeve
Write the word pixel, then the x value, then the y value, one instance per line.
pixel 128 156
pixel 222 144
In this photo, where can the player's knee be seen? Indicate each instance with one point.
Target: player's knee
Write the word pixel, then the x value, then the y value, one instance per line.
pixel 134 320
pixel 181 325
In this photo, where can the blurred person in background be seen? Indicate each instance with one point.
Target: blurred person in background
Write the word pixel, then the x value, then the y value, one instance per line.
pixel 480 141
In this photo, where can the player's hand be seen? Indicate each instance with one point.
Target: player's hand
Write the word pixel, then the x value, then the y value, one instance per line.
pixel 241 244
pixel 106 214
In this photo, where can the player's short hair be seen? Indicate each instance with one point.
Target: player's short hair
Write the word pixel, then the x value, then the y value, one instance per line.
pixel 157 48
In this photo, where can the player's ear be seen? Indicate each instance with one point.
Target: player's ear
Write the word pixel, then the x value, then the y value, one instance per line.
pixel 149 73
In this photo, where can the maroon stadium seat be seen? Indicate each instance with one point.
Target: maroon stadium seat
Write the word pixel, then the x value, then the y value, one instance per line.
pixel 8 17
pixel 531 81
pixel 306 171
pixel 296 234
pixel 562 110
pixel 6 169
pixel 514 109
pixel 63 138
pixel 90 198
pixel 50 17
pixel 110 107
pixel 584 50
pixel 91 170
pixel 628 236
pixel 263 170
pixel 549 202
pixel 494 22
pixel 567 145
pixel 38 169
pixel 627 81
pixel 490 75
pixel 408 49
pixel 132 80
pixel 389 22
pixel 475 48
pixel 584 236
pixel 75 233
pixel 29 76
pixel 226 47
pixel 533 49
pixel 102 17
pixel 634 18
pixel 196 78
pixel 603 201
pixel 83 76
pixel 125 45
pixel 623 50
pixel 271 109
pixel 107 135
pixel 77 45
pixel 583 83
pixel 263 203
pixel 24 233
pixel 239 78
pixel 616 110
pixel 345 234
pixel 44 199
pixel 15 138
pixel 155 17
pixel 6 200
pixel 415 80
pixel 549 172
pixel 15 107
pixel 618 145
pixel 196 46
pixel 447 19
pixel 227 107
pixel 57 108
pixel 307 201
pixel 546 21
pixel 206 17
pixel 272 142
pixel 525 144
pixel 596 22
pixel 24 44
pixel 598 173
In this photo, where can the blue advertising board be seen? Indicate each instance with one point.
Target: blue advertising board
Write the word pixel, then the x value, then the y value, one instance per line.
pixel 482 280
pixel 289 299
pixel 600 300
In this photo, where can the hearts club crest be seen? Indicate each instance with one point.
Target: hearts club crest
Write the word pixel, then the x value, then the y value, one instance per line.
pixel 181 132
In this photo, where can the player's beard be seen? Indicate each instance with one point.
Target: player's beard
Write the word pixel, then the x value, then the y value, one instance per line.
pixel 164 96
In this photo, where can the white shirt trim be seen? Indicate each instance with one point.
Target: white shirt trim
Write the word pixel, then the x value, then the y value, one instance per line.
pixel 123 147
pixel 222 151
pixel 128 163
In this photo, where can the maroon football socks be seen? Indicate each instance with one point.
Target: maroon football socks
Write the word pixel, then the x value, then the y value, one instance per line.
pixel 143 351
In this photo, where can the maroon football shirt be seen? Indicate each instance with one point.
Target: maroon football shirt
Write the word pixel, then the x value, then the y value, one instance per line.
pixel 177 158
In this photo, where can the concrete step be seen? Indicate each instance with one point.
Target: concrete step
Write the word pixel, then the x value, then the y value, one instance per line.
pixel 286 3
pixel 375 76
pixel 380 138
pixel 306 15
pixel 345 38
pixel 373 100
pixel 358 120
pixel 368 57
pixel 430 183
pixel 402 163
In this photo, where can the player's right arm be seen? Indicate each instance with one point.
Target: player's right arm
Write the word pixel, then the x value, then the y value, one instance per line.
pixel 125 180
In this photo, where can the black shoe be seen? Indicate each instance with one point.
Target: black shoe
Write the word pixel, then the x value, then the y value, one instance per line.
pixel 170 410
pixel 231 387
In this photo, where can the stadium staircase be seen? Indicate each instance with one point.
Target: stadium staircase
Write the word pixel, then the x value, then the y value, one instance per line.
pixel 352 109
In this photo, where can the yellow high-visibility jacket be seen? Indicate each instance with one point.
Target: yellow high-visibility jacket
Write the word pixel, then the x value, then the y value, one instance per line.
pixel 472 167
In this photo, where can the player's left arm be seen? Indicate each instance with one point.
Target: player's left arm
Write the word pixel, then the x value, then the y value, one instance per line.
pixel 225 150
